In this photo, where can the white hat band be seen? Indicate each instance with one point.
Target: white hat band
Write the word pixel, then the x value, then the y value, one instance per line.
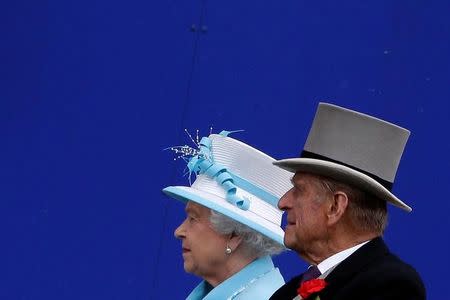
pixel 257 205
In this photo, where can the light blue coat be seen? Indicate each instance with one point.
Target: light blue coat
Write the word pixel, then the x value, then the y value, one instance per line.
pixel 258 280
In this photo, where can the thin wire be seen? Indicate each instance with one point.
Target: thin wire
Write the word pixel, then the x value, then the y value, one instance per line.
pixel 180 134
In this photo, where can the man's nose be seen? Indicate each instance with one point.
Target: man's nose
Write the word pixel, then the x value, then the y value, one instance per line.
pixel 283 203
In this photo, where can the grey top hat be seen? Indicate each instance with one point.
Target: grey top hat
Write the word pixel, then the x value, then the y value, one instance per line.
pixel 354 148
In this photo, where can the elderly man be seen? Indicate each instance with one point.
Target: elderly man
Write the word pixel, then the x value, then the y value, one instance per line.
pixel 336 210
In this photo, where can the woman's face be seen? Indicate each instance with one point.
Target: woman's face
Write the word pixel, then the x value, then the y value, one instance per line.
pixel 203 248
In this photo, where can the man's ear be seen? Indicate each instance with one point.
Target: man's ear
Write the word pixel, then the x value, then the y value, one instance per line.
pixel 337 207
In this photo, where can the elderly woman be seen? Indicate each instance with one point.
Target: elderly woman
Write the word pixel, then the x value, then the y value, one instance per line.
pixel 232 224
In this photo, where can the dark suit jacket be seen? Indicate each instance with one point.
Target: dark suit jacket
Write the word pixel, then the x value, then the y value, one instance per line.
pixel 370 273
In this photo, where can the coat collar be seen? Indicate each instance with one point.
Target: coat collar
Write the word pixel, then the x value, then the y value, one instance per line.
pixel 355 263
pixel 236 283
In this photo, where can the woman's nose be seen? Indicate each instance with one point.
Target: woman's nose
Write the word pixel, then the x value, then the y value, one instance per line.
pixel 179 232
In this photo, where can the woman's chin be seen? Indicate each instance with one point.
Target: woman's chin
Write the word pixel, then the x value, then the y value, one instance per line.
pixel 187 267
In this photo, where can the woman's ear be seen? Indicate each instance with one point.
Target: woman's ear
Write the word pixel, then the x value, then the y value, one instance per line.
pixel 234 241
pixel 337 207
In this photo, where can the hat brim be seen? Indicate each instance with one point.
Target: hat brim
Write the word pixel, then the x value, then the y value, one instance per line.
pixel 218 204
pixel 342 173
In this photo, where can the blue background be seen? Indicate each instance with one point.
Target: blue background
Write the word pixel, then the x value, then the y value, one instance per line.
pixel 92 91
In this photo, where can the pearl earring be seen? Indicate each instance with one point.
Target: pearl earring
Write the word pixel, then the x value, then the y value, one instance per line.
pixel 228 250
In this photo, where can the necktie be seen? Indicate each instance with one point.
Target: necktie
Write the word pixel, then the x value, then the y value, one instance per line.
pixel 311 273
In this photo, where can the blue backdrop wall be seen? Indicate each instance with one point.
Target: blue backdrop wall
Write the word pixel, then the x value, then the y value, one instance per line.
pixel 92 91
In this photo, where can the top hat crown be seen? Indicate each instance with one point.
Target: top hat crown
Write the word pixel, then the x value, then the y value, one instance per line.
pixel 354 148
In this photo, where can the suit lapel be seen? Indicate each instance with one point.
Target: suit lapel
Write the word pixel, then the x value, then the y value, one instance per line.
pixel 351 266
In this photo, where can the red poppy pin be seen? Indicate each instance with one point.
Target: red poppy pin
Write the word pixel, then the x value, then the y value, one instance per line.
pixel 310 287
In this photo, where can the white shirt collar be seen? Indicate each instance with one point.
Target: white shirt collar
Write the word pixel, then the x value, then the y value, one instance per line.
pixel 338 257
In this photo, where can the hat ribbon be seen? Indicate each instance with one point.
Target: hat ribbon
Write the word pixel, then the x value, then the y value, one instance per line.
pixel 203 163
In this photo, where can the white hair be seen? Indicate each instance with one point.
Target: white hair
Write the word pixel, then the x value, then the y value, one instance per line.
pixel 253 242
pixel 367 211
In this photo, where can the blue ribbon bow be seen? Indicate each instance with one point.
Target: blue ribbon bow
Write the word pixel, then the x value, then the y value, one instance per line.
pixel 203 163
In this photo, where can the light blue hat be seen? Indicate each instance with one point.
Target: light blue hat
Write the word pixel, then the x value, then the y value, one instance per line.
pixel 238 181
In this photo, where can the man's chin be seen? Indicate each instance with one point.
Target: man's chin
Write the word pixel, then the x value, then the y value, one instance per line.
pixel 289 242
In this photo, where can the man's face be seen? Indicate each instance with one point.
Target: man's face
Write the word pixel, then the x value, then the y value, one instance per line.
pixel 203 248
pixel 304 205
